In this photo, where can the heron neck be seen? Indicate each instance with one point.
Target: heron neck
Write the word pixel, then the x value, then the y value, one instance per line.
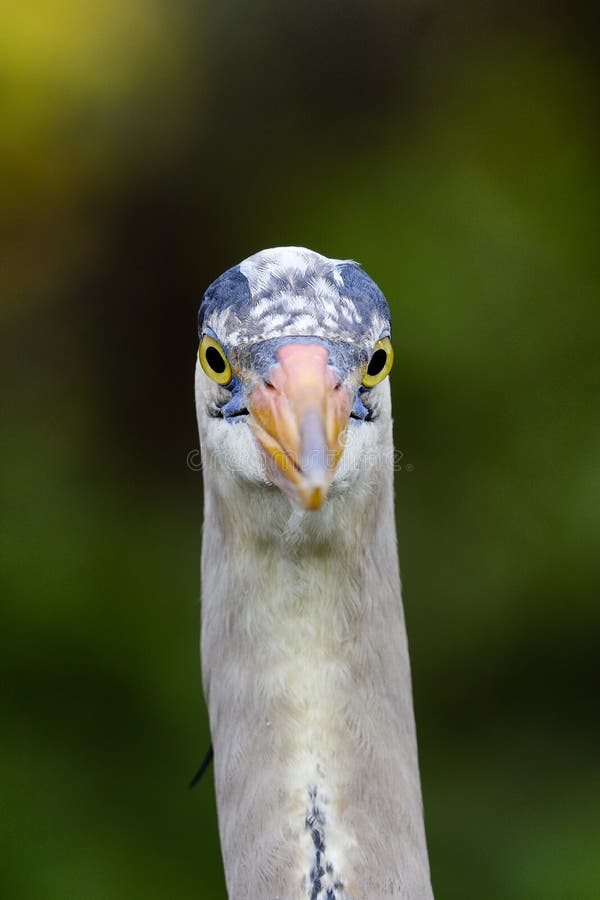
pixel 307 680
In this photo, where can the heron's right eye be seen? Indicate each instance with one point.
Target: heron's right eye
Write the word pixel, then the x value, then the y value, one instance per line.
pixel 213 360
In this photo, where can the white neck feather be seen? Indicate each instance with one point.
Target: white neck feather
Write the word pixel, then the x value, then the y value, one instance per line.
pixel 307 680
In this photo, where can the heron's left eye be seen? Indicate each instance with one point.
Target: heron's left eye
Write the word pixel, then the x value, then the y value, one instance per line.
pixel 380 363
pixel 213 360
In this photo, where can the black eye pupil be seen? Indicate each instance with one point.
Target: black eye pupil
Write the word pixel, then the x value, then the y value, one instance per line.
pixel 215 360
pixel 377 363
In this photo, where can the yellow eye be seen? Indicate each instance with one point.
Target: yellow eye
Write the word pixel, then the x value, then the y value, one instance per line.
pixel 380 363
pixel 213 360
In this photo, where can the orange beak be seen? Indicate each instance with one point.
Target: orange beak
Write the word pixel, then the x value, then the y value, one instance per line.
pixel 300 420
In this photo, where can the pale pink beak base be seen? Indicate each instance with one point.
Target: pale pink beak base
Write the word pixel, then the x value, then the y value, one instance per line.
pixel 300 420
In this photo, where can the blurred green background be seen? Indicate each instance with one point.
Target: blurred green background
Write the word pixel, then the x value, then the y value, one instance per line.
pixel 147 146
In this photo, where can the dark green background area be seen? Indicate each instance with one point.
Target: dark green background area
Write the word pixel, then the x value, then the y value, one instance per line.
pixel 146 147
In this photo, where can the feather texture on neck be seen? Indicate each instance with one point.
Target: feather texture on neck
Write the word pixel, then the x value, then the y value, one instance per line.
pixel 307 679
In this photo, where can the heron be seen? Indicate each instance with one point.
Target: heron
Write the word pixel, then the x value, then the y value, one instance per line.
pixel 305 663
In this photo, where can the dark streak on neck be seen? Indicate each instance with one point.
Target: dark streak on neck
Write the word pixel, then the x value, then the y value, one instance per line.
pixel 315 820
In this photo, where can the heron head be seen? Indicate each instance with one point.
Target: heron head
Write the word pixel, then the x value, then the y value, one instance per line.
pixel 291 383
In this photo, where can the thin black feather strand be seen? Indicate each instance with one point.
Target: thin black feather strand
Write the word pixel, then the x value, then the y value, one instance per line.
pixel 208 757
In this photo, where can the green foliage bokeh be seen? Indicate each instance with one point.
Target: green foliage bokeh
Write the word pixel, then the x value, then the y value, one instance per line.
pixel 145 148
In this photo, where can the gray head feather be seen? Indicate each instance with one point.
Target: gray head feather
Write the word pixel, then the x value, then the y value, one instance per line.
pixel 292 291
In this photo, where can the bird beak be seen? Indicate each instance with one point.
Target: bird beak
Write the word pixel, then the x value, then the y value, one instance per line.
pixel 300 418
